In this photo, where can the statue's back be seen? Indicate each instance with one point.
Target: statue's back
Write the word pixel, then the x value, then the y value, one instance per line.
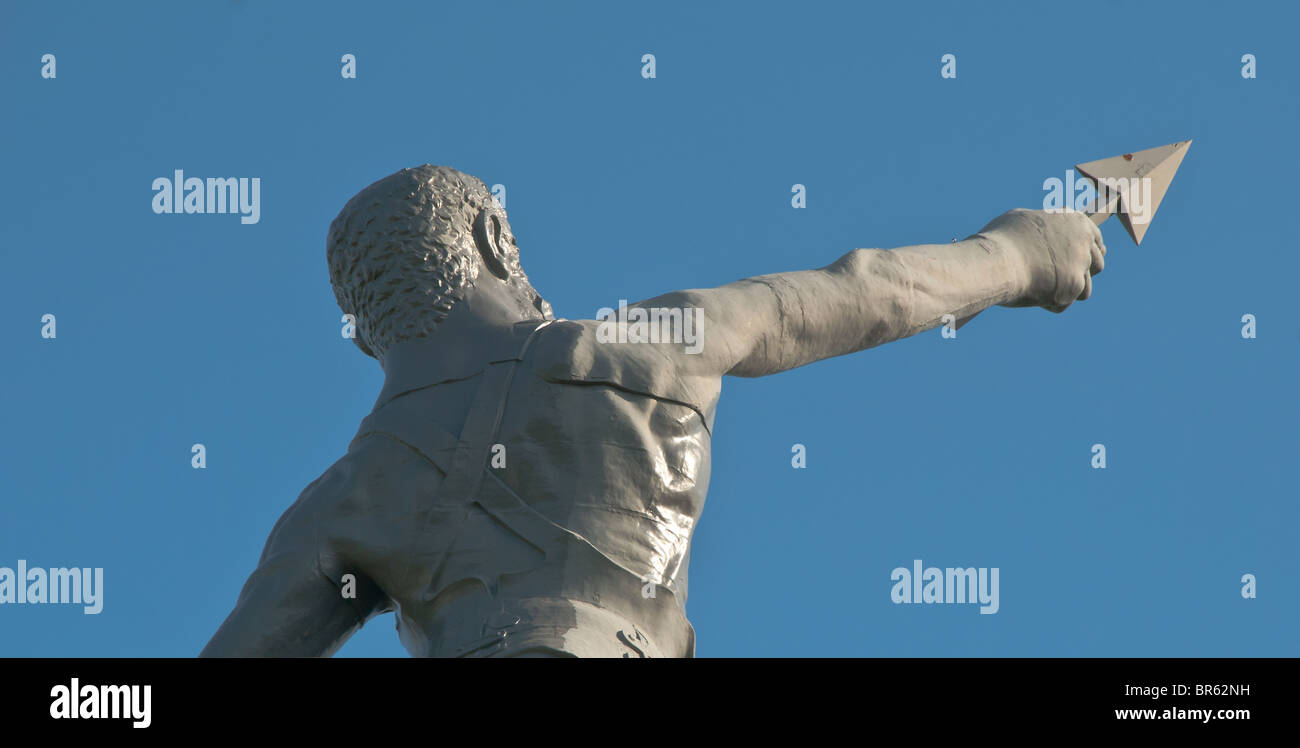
pixel 552 503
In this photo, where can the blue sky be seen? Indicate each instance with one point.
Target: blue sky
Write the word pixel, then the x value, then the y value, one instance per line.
pixel 173 330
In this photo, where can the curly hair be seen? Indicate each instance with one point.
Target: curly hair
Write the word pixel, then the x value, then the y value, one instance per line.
pixel 401 252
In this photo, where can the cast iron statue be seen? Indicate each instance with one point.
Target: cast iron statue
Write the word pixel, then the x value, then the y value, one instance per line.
pixel 528 486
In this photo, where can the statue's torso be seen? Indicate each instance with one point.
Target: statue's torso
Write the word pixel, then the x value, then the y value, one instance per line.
pixel 559 521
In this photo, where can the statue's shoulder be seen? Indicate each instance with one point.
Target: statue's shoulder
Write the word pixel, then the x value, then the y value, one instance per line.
pixel 579 351
pixel 364 482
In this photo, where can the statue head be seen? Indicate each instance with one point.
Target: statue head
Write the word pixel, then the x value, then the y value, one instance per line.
pixel 409 248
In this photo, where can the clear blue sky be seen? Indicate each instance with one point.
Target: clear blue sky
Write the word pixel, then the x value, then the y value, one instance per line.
pixel 174 330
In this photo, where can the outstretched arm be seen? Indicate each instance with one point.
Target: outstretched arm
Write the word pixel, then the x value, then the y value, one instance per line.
pixel 772 323
pixel 286 609
pixel 291 605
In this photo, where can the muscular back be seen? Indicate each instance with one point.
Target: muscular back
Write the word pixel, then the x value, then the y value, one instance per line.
pixel 572 538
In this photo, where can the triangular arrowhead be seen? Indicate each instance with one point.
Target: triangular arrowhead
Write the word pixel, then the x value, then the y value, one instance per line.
pixel 1154 166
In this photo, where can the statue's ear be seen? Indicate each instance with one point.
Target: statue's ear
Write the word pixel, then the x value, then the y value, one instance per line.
pixel 488 231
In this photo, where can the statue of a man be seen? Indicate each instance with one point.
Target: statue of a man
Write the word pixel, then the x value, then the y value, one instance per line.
pixel 528 486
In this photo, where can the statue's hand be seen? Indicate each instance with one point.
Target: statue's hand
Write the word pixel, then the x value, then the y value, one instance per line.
pixel 1059 252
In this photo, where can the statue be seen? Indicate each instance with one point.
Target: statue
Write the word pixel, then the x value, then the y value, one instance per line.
pixel 528 486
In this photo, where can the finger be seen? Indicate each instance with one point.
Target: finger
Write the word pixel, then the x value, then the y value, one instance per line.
pixel 1093 229
pixel 1087 288
pixel 1096 230
pixel 1100 243
pixel 1098 260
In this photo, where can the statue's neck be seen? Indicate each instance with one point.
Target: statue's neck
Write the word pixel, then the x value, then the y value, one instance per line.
pixel 455 351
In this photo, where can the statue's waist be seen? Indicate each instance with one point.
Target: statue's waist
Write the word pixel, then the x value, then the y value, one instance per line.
pixel 575 601
pixel 554 626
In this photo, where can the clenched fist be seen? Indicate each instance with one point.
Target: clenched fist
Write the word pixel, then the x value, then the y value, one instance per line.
pixel 1059 253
